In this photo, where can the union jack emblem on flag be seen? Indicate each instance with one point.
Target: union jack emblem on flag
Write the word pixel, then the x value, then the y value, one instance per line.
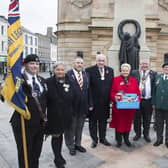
pixel 13 14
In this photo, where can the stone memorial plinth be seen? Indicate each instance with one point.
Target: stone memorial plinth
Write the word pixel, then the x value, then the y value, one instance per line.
pixel 127 9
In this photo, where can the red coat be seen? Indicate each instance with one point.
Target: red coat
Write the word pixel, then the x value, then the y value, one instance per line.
pixel 121 118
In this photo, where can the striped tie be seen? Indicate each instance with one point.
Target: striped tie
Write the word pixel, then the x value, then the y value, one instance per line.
pixel 80 80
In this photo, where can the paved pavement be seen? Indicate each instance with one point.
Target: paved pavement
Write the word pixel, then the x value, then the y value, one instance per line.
pixel 141 155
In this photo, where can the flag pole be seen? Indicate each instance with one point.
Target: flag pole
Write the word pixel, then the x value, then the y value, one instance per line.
pixel 24 142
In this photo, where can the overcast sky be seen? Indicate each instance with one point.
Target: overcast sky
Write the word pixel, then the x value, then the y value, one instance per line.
pixel 36 15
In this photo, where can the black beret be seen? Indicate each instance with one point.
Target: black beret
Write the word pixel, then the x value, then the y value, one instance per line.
pixel 31 57
pixel 166 63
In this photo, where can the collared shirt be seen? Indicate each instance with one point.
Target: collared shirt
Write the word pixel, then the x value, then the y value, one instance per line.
pixel 165 76
pixel 101 70
pixel 30 80
pixel 76 74
pixel 147 84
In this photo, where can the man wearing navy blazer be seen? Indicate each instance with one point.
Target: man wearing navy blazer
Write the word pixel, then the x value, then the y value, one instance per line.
pixel 79 82
pixel 100 79
pixel 146 79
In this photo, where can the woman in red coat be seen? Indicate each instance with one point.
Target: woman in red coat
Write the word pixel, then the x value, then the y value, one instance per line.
pixel 122 118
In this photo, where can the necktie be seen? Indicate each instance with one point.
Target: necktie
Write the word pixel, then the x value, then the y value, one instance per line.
pixel 101 73
pixel 80 80
pixel 143 84
pixel 36 87
pixel 143 75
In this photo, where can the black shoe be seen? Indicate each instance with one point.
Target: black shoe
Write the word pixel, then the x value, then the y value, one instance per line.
pixel 105 142
pixel 166 144
pixel 136 138
pixel 157 143
pixel 61 161
pixel 72 152
pixel 147 138
pixel 128 143
pixel 118 145
pixel 80 149
pixel 60 166
pixel 93 144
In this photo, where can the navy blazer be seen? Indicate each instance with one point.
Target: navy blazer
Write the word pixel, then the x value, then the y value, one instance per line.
pixel 81 95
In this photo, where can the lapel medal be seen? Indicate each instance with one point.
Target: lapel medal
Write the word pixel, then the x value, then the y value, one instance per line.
pixel 34 94
pixel 66 87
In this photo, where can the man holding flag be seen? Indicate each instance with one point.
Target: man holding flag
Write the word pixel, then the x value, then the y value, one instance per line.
pixel 26 93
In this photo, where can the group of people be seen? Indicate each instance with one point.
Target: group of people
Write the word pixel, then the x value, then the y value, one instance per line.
pixel 60 104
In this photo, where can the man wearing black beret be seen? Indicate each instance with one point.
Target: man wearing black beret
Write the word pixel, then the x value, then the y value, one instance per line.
pixel 160 104
pixel 35 89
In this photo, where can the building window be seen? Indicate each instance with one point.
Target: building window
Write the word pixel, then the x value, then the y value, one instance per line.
pixel 2 30
pixel 35 41
pixel 31 50
pixel 26 51
pixel 31 40
pixel 36 51
pixel 2 46
pixel 26 39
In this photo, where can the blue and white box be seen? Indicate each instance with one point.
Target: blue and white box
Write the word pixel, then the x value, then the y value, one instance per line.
pixel 129 101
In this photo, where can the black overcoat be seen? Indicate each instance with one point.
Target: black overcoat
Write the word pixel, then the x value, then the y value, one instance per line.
pixel 59 105
pixel 100 91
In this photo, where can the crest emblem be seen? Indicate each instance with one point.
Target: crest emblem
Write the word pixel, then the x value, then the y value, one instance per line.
pixel 80 3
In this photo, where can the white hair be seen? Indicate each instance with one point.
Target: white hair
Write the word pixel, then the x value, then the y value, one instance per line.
pixel 98 56
pixel 144 61
pixel 126 65
pixel 57 64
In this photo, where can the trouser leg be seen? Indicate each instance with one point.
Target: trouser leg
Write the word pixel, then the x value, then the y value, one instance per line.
pixel 147 114
pixel 93 129
pixel 166 131
pixel 37 147
pixel 79 129
pixel 102 129
pixel 70 134
pixel 159 124
pixel 137 123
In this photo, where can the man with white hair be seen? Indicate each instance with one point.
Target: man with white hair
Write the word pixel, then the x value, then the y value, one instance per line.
pixel 100 83
pixel 146 80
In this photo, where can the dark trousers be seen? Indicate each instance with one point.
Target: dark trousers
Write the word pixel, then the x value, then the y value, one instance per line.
pixel 34 137
pixel 143 116
pixel 73 135
pixel 161 116
pixel 97 125
pixel 56 144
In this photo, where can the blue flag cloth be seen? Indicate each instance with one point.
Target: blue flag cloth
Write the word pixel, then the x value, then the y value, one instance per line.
pixel 12 89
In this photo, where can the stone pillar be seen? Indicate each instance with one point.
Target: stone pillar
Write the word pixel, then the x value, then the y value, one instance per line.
pixel 127 9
